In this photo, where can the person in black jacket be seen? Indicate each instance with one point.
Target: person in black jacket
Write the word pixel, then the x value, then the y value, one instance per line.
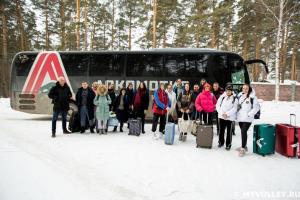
pixel 121 107
pixel 217 91
pixel 60 95
pixel 195 94
pixel 84 100
pixel 130 96
pixel 141 103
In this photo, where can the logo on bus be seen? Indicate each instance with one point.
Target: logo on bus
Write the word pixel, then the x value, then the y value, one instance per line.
pixel 45 70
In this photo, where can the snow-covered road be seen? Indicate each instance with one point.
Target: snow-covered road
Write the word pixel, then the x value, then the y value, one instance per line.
pixel 33 166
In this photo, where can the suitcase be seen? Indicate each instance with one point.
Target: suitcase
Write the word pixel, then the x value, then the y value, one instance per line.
pixel 264 139
pixel 169 132
pixel 205 135
pixel 135 127
pixel 287 138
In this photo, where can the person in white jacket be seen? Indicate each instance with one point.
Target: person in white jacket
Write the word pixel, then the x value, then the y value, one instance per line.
pixel 172 98
pixel 248 106
pixel 226 107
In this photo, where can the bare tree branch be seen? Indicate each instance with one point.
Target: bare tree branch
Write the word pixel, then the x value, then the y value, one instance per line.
pixel 269 9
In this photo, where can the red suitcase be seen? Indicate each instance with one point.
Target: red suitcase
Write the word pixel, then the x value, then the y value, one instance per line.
pixel 287 138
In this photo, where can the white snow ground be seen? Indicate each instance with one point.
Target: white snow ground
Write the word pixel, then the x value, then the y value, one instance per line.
pixel 33 166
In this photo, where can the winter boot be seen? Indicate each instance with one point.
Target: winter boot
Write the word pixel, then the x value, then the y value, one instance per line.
pixel 82 129
pixel 92 130
pixel 66 131
pixel 242 152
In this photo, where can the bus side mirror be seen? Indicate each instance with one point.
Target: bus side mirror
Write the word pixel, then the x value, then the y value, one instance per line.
pixel 248 62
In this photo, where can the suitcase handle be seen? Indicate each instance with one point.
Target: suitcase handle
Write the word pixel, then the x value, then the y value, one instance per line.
pixel 294 115
pixel 200 116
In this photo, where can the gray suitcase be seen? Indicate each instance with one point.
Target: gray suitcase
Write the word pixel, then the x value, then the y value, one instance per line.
pixel 135 127
pixel 204 136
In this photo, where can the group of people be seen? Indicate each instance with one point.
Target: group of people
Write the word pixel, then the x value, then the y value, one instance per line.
pixel 170 102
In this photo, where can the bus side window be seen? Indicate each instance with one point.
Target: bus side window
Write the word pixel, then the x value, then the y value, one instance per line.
pixel 147 65
pixel 175 65
pixel 187 65
pixel 23 64
pixel 106 65
pixel 76 64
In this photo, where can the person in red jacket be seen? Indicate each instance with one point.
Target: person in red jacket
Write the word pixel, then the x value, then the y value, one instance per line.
pixel 160 105
pixel 206 104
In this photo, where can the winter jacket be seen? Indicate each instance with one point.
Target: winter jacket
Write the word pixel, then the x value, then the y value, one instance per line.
pixel 172 98
pixel 195 95
pixel 122 115
pixel 206 102
pixel 130 95
pixel 185 101
pixel 112 96
pixel 160 102
pixel 144 102
pixel 247 109
pixel 178 89
pixel 90 98
pixel 102 103
pixel 227 105
pixel 60 96
pixel 218 93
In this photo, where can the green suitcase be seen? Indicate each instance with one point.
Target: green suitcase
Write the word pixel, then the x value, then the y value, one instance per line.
pixel 264 139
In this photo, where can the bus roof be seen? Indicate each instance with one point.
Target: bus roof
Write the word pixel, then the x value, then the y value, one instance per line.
pixel 158 50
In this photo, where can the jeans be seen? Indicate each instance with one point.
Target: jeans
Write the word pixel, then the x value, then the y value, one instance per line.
pixel 64 120
pixel 84 114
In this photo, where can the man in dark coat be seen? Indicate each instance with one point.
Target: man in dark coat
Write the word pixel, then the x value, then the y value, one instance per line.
pixel 195 94
pixel 60 95
pixel 84 100
pixel 217 91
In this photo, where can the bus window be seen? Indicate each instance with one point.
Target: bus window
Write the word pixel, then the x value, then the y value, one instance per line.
pixel 237 70
pixel 76 64
pixel 23 64
pixel 190 65
pixel 146 65
pixel 107 65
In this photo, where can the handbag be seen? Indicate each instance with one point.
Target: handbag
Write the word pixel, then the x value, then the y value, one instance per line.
pixel 185 126
pixel 112 120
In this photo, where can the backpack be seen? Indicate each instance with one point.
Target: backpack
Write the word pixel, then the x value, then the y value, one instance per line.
pixel 257 115
pixel 234 98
